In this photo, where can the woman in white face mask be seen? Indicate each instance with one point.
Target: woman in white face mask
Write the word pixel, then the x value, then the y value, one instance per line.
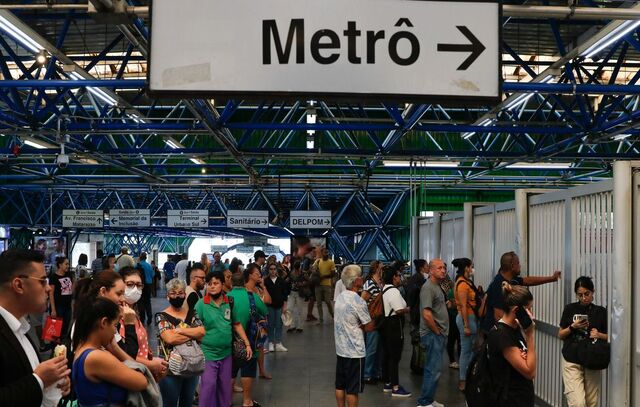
pixel 132 293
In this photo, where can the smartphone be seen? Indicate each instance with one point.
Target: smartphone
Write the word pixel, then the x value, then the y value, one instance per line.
pixel 580 317
pixel 523 317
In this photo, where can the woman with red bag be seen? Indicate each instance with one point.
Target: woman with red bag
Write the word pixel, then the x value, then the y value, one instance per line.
pixel 61 284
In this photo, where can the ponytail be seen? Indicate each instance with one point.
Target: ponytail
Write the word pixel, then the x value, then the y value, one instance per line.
pixel 515 296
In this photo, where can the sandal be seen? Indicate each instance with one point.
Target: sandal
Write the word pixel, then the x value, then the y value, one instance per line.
pixel 254 404
pixel 266 376
pixel 237 389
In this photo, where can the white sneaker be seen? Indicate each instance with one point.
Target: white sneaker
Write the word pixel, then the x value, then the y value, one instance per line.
pixel 271 348
pixel 454 365
pixel 434 404
pixel 281 348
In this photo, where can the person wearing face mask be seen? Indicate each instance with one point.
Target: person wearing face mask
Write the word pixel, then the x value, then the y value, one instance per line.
pixel 177 325
pixel 215 311
pixel 98 377
pixel 469 305
pixel 132 294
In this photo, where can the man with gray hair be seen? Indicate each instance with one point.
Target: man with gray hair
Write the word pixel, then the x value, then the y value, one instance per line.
pixel 124 259
pixel 350 319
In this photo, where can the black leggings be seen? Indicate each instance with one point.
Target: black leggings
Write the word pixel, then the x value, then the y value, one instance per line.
pixel 392 337
pixel 454 336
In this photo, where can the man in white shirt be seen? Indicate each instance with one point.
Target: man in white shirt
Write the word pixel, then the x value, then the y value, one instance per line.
pixel 181 268
pixel 350 319
pixel 24 288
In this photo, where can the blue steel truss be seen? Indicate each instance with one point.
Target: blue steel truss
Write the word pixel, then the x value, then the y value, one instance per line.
pixel 128 150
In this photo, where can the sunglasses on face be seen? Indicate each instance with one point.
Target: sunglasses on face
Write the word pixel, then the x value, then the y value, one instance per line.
pixel 44 281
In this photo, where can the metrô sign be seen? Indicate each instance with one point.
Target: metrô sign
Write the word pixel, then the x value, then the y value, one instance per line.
pixel 82 218
pixel 247 219
pixel 336 48
pixel 125 218
pixel 187 218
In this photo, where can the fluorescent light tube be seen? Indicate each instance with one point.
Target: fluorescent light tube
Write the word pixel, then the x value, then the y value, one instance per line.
pixel 540 166
pixel 620 31
pixel 619 137
pixel 172 143
pixel 20 36
pixel 420 164
pixel 197 161
pixel 37 144
pixel 484 123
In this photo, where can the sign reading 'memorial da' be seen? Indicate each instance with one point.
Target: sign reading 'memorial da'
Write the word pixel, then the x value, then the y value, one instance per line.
pixel 354 48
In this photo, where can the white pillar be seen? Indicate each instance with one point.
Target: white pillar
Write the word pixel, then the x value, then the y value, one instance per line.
pixel 621 312
pixel 437 235
pixel 468 230
pixel 522 230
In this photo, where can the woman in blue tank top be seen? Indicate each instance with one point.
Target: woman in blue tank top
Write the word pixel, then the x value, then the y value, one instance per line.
pixel 99 378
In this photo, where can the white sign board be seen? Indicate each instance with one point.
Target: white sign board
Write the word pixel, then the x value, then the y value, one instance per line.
pixel 310 220
pixel 391 48
pixel 247 219
pixel 188 218
pixel 130 218
pixel 261 241
pixel 82 218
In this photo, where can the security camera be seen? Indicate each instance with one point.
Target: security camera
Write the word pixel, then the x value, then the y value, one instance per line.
pixel 62 160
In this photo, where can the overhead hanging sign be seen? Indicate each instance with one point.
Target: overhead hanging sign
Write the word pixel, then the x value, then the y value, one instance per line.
pixel 247 219
pixel 82 218
pixel 129 218
pixel 310 220
pixel 358 48
pixel 253 241
pixel 187 218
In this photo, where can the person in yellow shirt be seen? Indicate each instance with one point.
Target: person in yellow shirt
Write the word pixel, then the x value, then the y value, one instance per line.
pixel 324 291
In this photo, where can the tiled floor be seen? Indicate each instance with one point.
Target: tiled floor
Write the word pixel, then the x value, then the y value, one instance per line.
pixel 304 376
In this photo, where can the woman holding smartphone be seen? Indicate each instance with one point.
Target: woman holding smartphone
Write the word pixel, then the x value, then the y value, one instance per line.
pixel 512 355
pixel 581 320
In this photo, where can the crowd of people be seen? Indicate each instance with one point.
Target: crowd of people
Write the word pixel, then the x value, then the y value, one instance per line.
pixel 223 317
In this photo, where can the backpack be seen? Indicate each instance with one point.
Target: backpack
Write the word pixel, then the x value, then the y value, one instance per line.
pixel 477 311
pixel 258 326
pixel 381 318
pixel 186 359
pixel 376 308
pixel 481 388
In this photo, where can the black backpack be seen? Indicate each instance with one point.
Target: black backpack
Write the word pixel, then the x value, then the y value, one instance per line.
pixel 482 389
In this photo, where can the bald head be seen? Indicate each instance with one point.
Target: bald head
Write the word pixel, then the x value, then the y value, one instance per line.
pixel 510 263
pixel 437 270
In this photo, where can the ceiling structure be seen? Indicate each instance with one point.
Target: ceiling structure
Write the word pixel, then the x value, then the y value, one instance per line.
pixel 570 106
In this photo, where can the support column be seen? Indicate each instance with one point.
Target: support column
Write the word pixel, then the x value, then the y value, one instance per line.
pixel 621 312
pixel 522 229
pixel 437 235
pixel 468 230
pixel 415 238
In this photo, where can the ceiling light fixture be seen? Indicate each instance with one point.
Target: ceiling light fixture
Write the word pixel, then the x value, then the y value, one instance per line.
pixel 19 36
pixel 606 41
pixel 539 166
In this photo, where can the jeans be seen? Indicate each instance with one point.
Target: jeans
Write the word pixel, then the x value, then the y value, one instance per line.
pixel 293 305
pixel 275 325
pixel 466 343
pixel 178 391
pixel 372 360
pixel 434 348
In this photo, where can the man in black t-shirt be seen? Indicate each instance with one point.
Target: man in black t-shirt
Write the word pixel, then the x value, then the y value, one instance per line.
pixel 510 272
pixel 194 289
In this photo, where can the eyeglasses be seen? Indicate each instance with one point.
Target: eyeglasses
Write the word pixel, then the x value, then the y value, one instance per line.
pixel 131 284
pixel 44 281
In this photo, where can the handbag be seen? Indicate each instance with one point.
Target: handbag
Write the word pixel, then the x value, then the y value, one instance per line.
pixel 52 329
pixel 238 347
pixel 594 354
pixel 258 326
pixel 186 359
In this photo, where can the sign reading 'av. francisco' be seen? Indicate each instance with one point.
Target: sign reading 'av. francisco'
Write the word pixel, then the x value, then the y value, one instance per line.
pixel 310 219
pixel 391 48
pixel 82 218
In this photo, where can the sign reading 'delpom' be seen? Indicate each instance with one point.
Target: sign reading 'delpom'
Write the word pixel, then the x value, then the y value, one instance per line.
pixel 310 220
pixel 393 48
pixel 187 218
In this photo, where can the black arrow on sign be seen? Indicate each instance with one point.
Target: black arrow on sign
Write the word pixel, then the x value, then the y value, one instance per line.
pixel 476 48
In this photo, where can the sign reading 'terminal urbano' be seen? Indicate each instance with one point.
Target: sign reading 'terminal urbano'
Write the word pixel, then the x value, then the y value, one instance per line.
pixel 187 218
pixel 330 47
pixel 310 220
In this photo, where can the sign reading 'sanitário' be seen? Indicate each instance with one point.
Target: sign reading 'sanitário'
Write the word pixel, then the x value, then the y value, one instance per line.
pixel 397 48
